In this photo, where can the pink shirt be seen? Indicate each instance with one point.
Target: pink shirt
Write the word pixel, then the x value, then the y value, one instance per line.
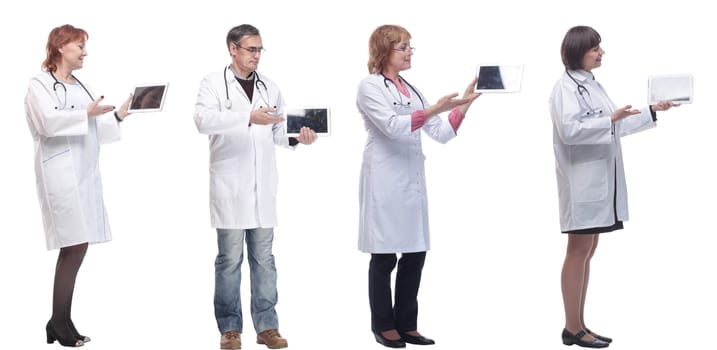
pixel 418 118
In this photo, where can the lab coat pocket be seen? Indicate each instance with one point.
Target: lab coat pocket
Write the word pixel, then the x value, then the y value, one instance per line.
pixel 59 176
pixel 590 181
pixel 227 186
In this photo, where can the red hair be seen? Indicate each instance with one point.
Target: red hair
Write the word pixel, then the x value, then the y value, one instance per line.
pixel 58 38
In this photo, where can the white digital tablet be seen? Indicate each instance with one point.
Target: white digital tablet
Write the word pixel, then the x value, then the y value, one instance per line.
pixel 316 118
pixel 494 78
pixel 674 87
pixel 148 98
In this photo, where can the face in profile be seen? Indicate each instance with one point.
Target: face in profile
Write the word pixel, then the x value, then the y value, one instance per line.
pixel 400 58
pixel 73 54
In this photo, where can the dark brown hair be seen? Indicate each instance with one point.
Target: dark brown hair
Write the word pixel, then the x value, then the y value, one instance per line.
pixel 577 42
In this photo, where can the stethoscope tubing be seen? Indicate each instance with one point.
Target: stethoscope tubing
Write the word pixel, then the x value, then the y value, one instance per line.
pixel 61 84
pixel 257 81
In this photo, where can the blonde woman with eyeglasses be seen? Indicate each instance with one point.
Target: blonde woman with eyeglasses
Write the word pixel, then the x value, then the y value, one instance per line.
pixel 393 203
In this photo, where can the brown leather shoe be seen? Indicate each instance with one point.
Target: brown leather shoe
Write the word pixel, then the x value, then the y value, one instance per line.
pixel 230 340
pixel 272 339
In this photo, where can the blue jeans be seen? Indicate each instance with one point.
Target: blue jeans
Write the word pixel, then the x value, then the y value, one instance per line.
pixel 227 279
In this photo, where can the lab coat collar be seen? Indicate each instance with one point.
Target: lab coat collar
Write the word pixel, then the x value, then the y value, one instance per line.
pixel 581 75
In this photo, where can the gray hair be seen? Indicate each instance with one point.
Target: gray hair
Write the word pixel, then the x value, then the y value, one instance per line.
pixel 235 34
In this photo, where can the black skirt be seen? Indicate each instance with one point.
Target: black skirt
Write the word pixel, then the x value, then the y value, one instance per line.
pixel 593 230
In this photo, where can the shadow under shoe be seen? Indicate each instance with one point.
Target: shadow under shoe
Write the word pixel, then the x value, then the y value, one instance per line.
pixel 52 335
pixel 570 339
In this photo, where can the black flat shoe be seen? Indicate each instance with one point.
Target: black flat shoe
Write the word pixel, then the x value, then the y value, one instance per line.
pixel 52 335
pixel 570 339
pixel 600 337
pixel 417 340
pixel 84 338
pixel 388 342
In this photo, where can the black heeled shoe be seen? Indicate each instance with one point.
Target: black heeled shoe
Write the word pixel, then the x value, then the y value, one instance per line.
pixel 388 342
pixel 597 336
pixel 84 338
pixel 416 340
pixel 52 336
pixel 570 339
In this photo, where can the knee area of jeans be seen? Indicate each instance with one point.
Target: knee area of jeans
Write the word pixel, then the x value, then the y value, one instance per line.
pixel 228 259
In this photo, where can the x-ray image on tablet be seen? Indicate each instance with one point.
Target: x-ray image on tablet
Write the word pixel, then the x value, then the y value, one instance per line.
pixel 498 78
pixel 676 88
pixel 316 118
pixel 148 98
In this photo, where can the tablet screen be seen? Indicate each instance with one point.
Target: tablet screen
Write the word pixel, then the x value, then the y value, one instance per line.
pixel 148 98
pixel 498 78
pixel 316 118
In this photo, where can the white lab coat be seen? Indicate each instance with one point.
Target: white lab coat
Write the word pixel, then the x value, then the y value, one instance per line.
pixel 392 191
pixel 243 175
pixel 588 155
pixel 67 172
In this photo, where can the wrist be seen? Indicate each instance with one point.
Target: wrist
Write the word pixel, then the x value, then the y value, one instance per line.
pixel 118 117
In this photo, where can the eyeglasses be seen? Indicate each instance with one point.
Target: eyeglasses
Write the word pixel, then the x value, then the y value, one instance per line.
pixel 405 49
pixel 253 49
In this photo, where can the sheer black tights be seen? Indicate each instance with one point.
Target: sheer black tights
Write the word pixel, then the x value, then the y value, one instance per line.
pixel 69 261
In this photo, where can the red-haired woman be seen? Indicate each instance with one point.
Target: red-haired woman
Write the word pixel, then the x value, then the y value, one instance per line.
pixel 68 124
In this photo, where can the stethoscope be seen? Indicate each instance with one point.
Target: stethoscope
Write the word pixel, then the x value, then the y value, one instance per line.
pixel 582 91
pixel 400 99
pixel 257 80
pixel 63 102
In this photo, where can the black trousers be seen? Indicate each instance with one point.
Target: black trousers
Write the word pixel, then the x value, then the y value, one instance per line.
pixel 402 315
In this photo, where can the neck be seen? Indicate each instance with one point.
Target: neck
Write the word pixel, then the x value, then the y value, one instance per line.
pixel 64 74
pixel 393 75
pixel 241 73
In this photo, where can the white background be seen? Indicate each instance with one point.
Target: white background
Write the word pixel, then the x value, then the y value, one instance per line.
pixel 492 277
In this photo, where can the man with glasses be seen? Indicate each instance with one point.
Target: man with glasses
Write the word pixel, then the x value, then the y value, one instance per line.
pixel 241 111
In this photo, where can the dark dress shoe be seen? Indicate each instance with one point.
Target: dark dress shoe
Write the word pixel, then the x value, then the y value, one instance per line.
pixel 77 334
pixel 388 342
pixel 570 339
pixel 417 340
pixel 69 340
pixel 600 337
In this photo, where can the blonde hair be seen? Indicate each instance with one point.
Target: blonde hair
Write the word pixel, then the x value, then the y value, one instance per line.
pixel 380 45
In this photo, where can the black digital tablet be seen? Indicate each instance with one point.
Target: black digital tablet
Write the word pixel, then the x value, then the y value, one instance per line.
pixel 499 78
pixel 316 118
